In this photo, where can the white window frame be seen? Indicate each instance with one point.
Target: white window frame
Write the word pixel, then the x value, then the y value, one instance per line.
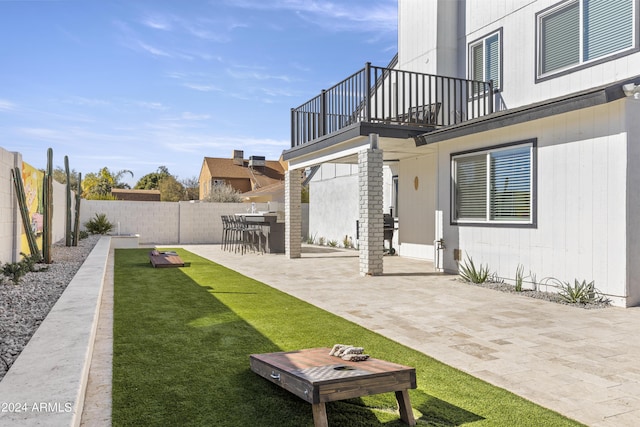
pixel 487 220
pixel 497 85
pixel 582 62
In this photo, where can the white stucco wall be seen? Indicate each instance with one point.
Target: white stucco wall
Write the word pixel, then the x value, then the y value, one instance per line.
pixel 581 202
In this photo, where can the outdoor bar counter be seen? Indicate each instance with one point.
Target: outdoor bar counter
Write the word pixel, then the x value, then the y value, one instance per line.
pixel 272 228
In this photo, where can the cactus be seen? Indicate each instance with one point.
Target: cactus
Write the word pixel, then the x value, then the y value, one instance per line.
pixel 76 225
pixel 24 212
pixel 67 228
pixel 47 203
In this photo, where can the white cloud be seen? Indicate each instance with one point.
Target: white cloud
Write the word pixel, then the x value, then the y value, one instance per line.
pixel 6 105
pixel 152 50
pixel 202 87
pixel 344 16
pixel 256 75
pixel 191 116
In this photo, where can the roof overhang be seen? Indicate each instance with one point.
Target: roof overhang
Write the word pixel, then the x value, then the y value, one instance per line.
pixel 576 101
pixel 396 141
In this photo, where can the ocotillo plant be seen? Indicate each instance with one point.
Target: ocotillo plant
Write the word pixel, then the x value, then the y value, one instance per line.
pixel 47 203
pixel 76 218
pixel 67 228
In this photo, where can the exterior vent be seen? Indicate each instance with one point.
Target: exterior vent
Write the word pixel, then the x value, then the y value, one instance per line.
pixel 256 161
pixel 238 157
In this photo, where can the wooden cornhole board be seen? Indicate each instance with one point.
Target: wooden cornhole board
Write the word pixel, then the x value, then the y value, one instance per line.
pixel 165 259
pixel 316 377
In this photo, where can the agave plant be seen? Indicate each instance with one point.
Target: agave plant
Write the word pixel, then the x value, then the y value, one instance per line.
pixel 470 273
pixel 99 224
pixel 579 292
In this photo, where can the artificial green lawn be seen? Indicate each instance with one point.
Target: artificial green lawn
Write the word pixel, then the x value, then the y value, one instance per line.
pixel 183 336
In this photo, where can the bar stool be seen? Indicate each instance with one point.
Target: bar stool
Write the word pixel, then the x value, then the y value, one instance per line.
pixel 249 236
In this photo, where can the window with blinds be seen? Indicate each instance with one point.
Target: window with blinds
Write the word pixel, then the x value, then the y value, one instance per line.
pixel 580 31
pixel 484 60
pixel 494 185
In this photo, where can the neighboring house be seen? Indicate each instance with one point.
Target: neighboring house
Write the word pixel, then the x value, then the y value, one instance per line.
pixel 136 195
pixel 243 175
pixel 512 130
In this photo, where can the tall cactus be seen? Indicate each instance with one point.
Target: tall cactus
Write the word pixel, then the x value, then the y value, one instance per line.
pixel 67 228
pixel 24 212
pixel 47 203
pixel 76 218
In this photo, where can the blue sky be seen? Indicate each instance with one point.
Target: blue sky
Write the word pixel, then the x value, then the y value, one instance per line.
pixel 136 84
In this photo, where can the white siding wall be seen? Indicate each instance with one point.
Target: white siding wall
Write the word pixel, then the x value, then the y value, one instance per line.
pixel 433 38
pixel 582 207
pixel 517 18
pixel 633 200
pixel 430 36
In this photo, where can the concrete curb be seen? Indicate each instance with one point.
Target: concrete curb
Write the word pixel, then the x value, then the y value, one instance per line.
pixel 46 384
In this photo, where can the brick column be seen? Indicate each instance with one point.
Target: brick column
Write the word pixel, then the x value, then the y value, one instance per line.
pixel 293 213
pixel 371 225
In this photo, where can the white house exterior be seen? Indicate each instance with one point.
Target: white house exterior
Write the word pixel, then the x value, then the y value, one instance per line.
pixel 541 171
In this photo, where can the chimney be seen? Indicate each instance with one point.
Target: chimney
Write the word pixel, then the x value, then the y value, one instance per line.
pixel 238 157
pixel 256 161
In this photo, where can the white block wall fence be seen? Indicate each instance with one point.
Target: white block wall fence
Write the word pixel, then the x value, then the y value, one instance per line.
pixel 10 220
pixel 168 223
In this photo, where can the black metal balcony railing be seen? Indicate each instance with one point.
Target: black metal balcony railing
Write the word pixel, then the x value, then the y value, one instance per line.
pixel 395 97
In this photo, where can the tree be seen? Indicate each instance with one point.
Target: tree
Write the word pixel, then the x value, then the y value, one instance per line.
pixel 151 181
pixel 224 193
pixel 191 188
pixel 60 175
pixel 170 189
pixel 99 185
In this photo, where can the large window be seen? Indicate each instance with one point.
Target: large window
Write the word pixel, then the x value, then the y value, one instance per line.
pixel 581 32
pixel 485 62
pixel 495 185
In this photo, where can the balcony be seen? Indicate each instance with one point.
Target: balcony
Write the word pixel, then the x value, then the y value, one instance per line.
pixel 391 99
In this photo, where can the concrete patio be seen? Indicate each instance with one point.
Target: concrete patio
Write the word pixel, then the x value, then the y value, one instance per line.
pixel 580 363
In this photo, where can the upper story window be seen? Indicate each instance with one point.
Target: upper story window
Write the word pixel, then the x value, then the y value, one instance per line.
pixel 580 32
pixel 495 185
pixel 485 59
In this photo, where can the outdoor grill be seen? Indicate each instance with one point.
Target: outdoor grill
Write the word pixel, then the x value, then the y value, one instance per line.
pixel 389 226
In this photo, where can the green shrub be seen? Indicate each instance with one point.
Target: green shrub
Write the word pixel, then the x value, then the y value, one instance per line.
pixel 99 224
pixel 14 271
pixel 29 262
pixel 469 273
pixel 333 243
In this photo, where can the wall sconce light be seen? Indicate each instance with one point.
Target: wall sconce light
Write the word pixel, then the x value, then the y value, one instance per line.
pixel 631 89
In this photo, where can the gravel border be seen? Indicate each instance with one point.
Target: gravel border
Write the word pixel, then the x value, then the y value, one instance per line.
pixel 546 296
pixel 23 307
